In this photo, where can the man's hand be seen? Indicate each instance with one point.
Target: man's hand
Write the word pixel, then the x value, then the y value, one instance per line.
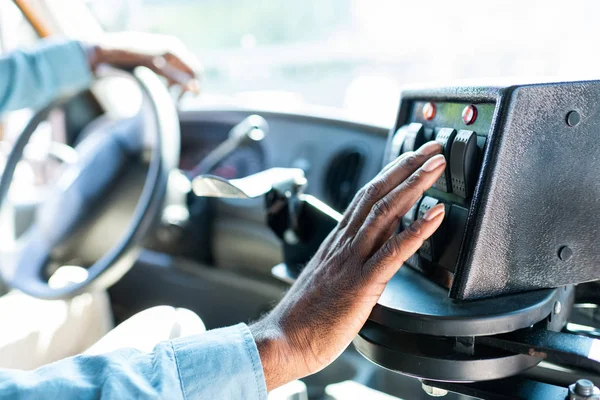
pixel 165 55
pixel 334 295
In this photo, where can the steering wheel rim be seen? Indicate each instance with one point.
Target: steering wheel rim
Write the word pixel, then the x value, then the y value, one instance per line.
pixel 28 275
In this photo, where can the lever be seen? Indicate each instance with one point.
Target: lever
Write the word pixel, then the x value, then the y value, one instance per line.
pixel 282 179
pixel 252 129
pixel 301 221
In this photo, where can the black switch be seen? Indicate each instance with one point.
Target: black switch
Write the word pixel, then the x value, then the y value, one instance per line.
pixel 414 138
pixel 397 143
pixel 464 161
pixel 456 222
pixel 427 250
pixel 445 137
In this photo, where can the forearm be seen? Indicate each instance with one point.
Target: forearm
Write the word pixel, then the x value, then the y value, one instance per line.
pixel 218 364
pixel 34 78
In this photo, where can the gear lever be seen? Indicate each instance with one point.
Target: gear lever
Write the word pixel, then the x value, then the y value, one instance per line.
pixel 300 220
pixel 252 129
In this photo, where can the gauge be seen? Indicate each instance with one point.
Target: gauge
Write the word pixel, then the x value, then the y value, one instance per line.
pixel 242 162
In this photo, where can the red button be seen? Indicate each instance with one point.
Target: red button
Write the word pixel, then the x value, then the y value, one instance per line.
pixel 469 114
pixel 429 111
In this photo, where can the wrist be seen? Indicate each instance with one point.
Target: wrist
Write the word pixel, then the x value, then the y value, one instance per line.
pixel 93 55
pixel 277 355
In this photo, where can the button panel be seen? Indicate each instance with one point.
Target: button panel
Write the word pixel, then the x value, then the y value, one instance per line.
pixel 462 140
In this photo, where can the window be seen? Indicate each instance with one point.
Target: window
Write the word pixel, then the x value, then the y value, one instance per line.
pixel 15 30
pixel 354 55
pixel 36 171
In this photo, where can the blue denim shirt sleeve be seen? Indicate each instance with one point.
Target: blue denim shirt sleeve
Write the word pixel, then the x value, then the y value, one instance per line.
pixel 35 78
pixel 219 364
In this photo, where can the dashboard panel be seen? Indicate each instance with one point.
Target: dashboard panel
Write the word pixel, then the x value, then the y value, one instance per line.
pixel 325 148
pixel 519 187
pixel 301 141
pixel 247 160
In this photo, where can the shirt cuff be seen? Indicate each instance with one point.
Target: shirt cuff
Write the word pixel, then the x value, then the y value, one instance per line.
pixel 220 364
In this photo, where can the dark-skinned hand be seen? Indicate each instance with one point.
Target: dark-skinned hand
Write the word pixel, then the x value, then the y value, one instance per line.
pixel 165 55
pixel 334 295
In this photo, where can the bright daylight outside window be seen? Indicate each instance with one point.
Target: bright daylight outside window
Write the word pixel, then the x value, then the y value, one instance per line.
pixel 355 55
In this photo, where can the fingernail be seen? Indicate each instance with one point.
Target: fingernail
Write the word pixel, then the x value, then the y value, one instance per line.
pixel 430 148
pixel 159 62
pixel 434 212
pixel 433 163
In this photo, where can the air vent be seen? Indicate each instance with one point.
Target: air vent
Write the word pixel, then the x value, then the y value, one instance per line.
pixel 341 181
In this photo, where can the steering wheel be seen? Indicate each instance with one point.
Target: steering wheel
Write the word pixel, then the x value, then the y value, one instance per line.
pixel 103 205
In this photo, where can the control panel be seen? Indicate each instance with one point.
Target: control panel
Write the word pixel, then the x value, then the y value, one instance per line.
pixel 462 129
pixel 521 185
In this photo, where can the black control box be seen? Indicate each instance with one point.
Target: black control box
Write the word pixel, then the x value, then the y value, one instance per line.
pixel 521 187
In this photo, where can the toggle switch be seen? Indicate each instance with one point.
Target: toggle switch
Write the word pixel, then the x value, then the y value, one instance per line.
pixel 414 138
pixel 397 143
pixel 455 225
pixel 427 250
pixel 445 137
pixel 464 161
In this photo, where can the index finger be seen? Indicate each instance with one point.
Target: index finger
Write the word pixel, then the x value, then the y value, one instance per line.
pixel 386 213
pixel 385 182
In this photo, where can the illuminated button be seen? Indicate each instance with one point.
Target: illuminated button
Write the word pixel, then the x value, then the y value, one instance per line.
pixel 469 114
pixel 445 137
pixel 429 111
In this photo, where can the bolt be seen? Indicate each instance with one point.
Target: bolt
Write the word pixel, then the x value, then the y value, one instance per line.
pixel 573 118
pixel 565 253
pixel 433 391
pixel 584 387
pixel 557 307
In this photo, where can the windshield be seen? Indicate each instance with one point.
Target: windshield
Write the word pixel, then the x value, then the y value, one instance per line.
pixel 355 55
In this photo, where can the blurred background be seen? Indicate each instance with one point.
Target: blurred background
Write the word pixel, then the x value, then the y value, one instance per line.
pixel 355 55
pixel 344 57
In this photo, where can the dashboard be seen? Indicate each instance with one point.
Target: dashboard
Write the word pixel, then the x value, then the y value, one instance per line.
pixel 326 149
pixel 246 160
pixel 337 156
pixel 500 162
